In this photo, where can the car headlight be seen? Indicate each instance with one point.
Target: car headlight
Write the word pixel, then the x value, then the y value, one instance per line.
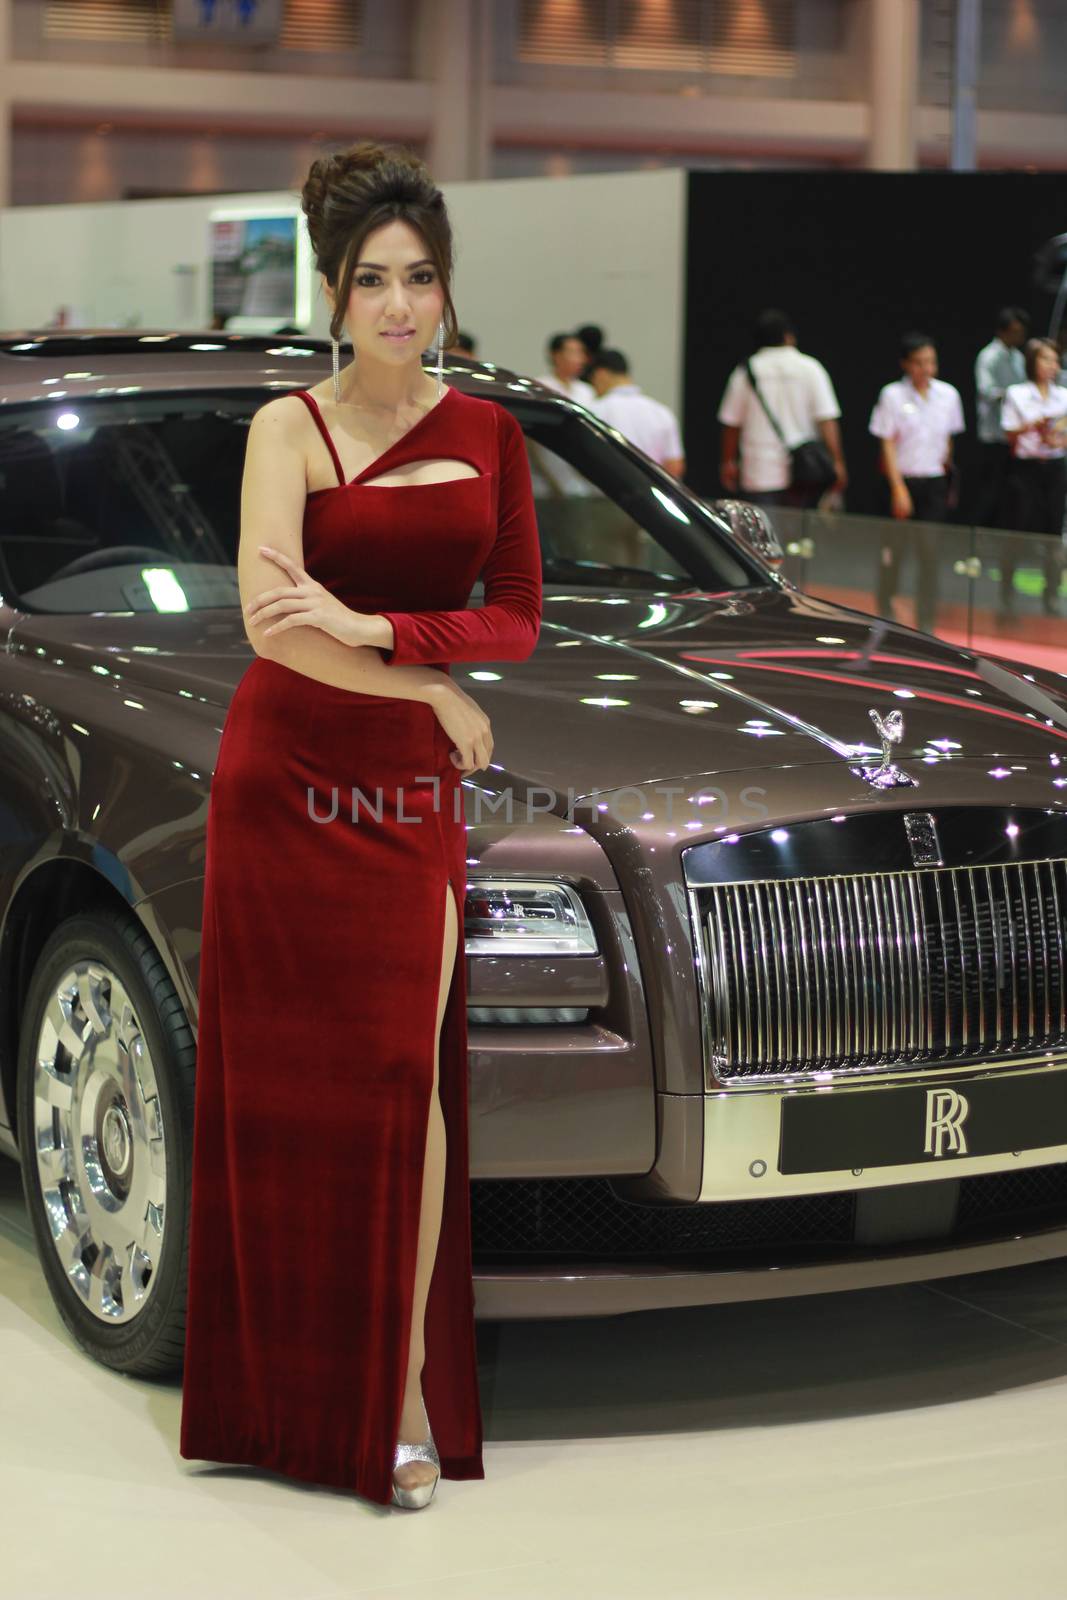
pixel 520 918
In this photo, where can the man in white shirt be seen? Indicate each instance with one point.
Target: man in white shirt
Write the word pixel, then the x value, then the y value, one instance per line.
pixel 567 357
pixel 647 423
pixel 916 418
pixel 801 399
pixel 553 478
pixel 999 364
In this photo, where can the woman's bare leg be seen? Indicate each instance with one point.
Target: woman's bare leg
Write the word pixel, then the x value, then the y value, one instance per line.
pixel 412 1422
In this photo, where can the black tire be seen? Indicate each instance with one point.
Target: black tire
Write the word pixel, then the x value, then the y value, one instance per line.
pixel 90 1114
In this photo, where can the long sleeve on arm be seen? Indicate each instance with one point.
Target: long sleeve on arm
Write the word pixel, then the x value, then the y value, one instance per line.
pixel 506 627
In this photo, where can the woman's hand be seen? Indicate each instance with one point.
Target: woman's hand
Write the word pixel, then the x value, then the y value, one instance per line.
pixel 304 602
pixel 465 723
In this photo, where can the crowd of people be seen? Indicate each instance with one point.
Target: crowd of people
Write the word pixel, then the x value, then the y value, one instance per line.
pixel 781 445
pixel 781 439
pixel 584 368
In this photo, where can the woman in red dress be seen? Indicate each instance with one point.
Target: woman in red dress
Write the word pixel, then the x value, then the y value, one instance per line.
pixel 330 1327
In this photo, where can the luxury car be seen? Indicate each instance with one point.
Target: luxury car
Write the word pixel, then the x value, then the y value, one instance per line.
pixel 765 916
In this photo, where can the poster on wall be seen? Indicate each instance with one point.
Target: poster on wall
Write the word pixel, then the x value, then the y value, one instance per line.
pixel 253 271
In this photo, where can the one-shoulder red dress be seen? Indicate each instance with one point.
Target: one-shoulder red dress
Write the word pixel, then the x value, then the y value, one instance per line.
pixel 319 972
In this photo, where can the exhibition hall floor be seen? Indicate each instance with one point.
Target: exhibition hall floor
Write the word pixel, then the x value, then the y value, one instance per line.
pixel 904 1443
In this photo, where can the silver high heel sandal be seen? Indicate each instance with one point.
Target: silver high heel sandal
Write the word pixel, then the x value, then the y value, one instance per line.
pixel 422 1494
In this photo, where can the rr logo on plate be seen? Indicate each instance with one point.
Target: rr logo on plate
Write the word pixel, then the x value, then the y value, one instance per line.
pixel 946 1112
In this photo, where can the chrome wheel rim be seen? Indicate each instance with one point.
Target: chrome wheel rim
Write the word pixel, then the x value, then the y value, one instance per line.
pixel 98 1139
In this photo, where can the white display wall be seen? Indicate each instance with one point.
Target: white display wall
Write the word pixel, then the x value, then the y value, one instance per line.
pixel 534 256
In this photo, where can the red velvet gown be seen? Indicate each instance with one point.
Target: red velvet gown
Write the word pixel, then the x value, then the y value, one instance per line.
pixel 320 967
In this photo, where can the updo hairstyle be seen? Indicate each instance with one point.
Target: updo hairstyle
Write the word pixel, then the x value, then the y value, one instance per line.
pixel 350 193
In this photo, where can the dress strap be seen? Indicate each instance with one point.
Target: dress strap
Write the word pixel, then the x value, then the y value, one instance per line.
pixel 313 407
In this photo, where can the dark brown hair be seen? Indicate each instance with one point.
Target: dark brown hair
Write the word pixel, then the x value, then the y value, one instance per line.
pixel 350 193
pixel 1032 350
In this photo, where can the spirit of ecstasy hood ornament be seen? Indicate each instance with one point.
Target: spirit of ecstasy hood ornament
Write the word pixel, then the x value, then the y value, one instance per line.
pixel 887 775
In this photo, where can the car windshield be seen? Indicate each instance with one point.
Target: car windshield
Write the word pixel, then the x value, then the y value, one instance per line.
pixel 607 519
pixel 132 503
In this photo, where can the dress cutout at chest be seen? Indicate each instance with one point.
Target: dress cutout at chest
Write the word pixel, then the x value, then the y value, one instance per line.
pixel 424 548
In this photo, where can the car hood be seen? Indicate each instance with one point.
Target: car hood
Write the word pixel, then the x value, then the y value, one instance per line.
pixel 627 689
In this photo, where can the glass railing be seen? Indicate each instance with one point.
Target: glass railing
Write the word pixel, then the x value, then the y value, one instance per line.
pixel 997 592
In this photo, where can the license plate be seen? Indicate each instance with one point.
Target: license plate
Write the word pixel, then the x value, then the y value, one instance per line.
pixel 845 1129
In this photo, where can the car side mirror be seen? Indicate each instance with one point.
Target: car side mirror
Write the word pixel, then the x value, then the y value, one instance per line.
pixel 753 527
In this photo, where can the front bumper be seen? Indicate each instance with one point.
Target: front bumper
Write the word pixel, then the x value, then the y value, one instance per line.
pixel 745 1148
pixel 749 1230
pixel 610 1290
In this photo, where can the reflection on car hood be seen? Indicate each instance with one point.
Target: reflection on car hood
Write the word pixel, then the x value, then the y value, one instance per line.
pixel 628 688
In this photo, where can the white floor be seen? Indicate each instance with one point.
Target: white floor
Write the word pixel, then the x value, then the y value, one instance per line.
pixel 903 1443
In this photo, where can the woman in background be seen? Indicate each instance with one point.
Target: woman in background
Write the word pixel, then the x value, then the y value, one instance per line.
pixel 1034 419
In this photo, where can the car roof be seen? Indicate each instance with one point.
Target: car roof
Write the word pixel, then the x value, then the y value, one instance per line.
pixel 163 359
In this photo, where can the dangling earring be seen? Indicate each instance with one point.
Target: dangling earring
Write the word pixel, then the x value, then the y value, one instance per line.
pixel 440 356
pixel 336 370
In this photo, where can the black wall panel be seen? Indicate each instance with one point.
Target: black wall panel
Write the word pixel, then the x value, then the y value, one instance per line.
pixel 857 259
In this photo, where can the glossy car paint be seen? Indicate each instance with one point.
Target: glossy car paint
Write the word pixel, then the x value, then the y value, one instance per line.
pixel 744 710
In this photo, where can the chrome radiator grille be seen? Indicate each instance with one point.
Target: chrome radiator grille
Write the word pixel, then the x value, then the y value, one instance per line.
pixel 885 968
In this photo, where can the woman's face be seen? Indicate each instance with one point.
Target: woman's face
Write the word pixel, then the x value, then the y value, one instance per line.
pixel 397 297
pixel 1046 365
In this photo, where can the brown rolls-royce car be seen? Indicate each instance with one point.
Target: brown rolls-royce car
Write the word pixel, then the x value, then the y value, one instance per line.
pixel 765 918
